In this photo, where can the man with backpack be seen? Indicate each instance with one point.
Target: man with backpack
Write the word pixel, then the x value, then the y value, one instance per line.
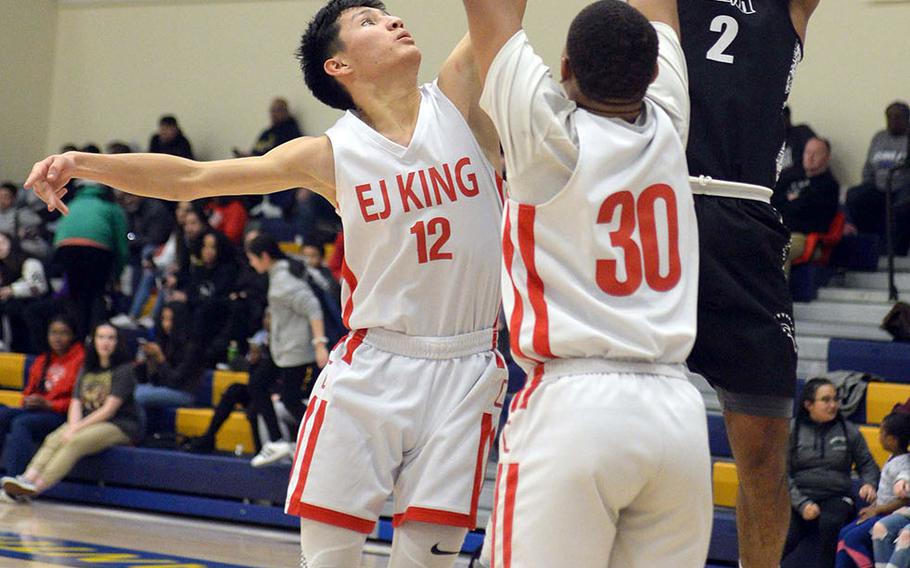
pixel 298 342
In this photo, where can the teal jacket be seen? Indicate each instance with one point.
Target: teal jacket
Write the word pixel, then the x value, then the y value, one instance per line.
pixel 96 219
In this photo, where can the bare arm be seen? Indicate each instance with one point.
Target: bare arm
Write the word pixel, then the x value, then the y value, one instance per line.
pixel 800 12
pixel 491 23
pixel 664 11
pixel 74 413
pixel 104 413
pixel 301 162
pixel 460 81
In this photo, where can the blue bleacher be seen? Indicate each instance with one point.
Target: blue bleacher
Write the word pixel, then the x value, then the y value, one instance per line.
pixel 890 360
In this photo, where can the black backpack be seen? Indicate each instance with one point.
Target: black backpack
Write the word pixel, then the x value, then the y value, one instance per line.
pixel 331 307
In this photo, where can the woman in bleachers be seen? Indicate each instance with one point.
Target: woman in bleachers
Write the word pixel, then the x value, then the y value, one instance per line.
pixel 22 281
pixel 823 451
pixel 855 548
pixel 102 414
pixel 45 399
pixel 167 370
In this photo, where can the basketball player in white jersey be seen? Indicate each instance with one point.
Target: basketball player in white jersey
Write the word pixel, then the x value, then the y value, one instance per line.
pixel 407 403
pixel 604 460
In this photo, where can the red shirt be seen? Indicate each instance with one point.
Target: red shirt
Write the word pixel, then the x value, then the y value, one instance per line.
pixel 229 219
pixel 55 384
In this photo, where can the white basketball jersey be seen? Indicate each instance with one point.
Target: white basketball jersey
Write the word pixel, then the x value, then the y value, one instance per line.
pixel 421 225
pixel 609 266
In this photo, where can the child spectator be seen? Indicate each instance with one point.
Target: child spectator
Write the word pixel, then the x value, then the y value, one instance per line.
pixel 855 544
pixel 823 451
pixel 891 535
pixel 22 281
pixel 45 399
pixel 167 370
pixel 101 414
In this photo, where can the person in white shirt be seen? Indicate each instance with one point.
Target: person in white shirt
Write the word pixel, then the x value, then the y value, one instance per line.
pixel 604 460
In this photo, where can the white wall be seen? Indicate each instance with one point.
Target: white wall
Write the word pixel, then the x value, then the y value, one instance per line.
pixel 217 64
pixel 26 71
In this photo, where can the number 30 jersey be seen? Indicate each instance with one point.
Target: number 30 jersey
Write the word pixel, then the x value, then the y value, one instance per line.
pixel 600 240
pixel 741 55
pixel 421 225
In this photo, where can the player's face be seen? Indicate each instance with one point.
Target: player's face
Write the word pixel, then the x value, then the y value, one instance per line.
pixel 824 407
pixel 374 41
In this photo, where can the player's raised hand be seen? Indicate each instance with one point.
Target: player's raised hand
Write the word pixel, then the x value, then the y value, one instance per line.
pixel 48 180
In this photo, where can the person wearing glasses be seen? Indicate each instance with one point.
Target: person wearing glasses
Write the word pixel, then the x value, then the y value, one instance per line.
pixel 824 447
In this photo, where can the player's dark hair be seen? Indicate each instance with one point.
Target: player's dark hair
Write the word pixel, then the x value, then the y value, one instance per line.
pixel 901 106
pixel 897 424
pixel 612 51
pixel 319 43
pixel 169 120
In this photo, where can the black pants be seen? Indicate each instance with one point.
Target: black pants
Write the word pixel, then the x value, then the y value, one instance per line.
pixel 866 206
pixel 20 340
pixel 237 393
pixel 295 388
pixel 88 271
pixel 835 513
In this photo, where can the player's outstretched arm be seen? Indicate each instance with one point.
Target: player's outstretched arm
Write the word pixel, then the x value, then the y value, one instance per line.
pixel 460 81
pixel 491 24
pixel 664 11
pixel 303 162
pixel 800 12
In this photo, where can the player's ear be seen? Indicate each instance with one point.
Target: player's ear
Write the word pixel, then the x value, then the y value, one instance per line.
pixel 336 67
pixel 565 69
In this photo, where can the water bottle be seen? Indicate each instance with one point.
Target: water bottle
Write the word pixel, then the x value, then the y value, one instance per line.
pixel 233 354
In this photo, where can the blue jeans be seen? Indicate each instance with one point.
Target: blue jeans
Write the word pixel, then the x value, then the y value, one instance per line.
pixel 886 552
pixel 854 549
pixel 21 433
pixel 151 396
pixel 143 292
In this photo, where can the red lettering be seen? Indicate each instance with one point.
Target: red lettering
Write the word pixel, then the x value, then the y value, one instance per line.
pixel 407 194
pixel 447 185
pixel 365 202
pixel 426 187
pixel 471 177
pixel 385 197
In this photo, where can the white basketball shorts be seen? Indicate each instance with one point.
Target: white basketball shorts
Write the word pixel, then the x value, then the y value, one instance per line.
pixel 395 414
pixel 603 463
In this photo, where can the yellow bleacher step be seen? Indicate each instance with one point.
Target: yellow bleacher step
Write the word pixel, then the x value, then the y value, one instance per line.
pixel 221 380
pixel 726 484
pixel 881 398
pixel 235 431
pixel 870 433
pixel 10 398
pixel 12 371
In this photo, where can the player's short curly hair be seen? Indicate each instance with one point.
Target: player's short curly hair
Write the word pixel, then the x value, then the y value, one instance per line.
pixel 319 43
pixel 612 51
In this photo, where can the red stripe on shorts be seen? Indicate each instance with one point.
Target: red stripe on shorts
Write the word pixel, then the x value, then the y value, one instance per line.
pixel 508 253
pixel 495 516
pixel 500 187
pixel 486 428
pixel 351 281
pixel 306 418
pixel 353 344
pixel 433 516
pixel 525 394
pixel 330 517
pixel 508 514
pixel 308 455
pixel 541 340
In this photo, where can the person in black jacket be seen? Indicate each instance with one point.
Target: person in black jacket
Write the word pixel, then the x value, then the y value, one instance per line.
pixel 170 139
pixel 823 451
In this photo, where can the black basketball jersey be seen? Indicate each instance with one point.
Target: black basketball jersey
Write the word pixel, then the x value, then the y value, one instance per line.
pixel 741 56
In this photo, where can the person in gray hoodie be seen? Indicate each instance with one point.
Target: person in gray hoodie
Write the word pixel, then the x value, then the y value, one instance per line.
pixel 824 448
pixel 296 335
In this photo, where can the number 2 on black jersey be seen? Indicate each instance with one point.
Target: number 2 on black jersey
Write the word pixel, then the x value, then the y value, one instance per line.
pixel 728 28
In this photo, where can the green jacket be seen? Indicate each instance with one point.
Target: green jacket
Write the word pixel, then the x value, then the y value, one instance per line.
pixel 96 219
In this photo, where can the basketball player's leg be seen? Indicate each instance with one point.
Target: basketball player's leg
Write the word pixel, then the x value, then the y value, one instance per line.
pixel 328 546
pixel 425 545
pixel 759 445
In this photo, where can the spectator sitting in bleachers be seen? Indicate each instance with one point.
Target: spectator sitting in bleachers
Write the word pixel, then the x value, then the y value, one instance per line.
pixel 170 139
pixel 262 371
pixel 866 202
pixel 297 339
pixel 167 370
pixel 228 216
pixel 102 414
pixel 314 256
pixel 22 281
pixel 854 548
pixel 22 223
pixel 149 224
pixel 891 535
pixel 824 448
pixel 795 139
pixel 808 197
pixel 45 399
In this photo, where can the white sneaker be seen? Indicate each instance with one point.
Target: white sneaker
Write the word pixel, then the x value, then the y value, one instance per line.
pixel 18 487
pixel 272 452
pixel 7 499
pixel 124 321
